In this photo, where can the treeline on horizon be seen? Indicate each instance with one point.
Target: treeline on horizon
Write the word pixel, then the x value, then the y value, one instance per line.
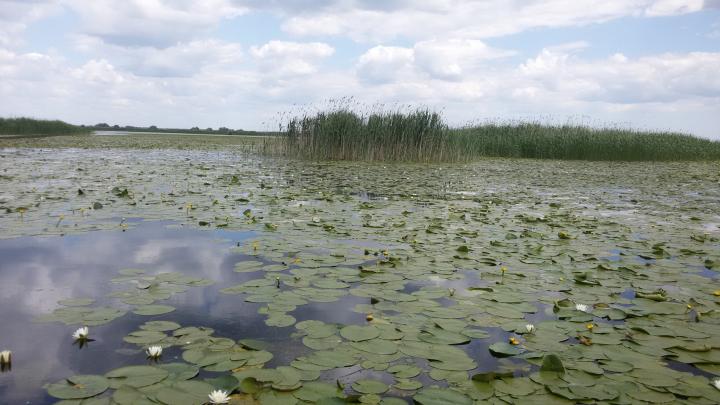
pixel 23 126
pixel 194 130
pixel 424 136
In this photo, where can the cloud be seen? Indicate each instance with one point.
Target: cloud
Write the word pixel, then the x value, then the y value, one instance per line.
pixel 15 15
pixel 650 79
pixel 285 58
pixel 451 59
pixel 183 59
pixel 467 19
pixel 673 7
pixel 382 64
pixel 153 23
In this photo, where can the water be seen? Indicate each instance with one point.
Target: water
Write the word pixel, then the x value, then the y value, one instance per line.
pixel 37 272
pixel 186 212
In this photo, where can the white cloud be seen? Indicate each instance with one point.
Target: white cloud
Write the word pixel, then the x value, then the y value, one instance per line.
pixel 157 62
pixel 151 22
pixel 618 79
pixel 673 7
pixel 451 59
pixel 468 19
pixel 180 60
pixel 382 64
pixel 15 15
pixel 285 58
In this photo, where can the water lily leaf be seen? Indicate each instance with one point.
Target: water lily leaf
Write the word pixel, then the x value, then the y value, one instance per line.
pixel 76 302
pixel 404 370
pixel 136 376
pixel 79 387
pixel 315 391
pixel 225 383
pixel 149 310
pixel 185 393
pixel 441 396
pixel 179 371
pixel 160 326
pixel 552 363
pixel 502 349
pixel 357 333
pixel 369 387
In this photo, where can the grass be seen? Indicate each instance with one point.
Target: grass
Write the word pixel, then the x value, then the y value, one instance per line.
pixel 423 136
pixel 30 126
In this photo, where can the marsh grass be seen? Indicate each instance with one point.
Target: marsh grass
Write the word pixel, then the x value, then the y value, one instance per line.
pixel 34 127
pixel 423 136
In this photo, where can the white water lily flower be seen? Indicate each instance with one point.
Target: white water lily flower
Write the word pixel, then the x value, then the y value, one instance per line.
pixel 154 351
pixel 716 383
pixel 81 333
pixel 5 357
pixel 582 307
pixel 219 397
pixel 530 328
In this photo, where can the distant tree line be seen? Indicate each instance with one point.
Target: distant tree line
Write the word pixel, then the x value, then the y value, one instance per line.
pixel 194 130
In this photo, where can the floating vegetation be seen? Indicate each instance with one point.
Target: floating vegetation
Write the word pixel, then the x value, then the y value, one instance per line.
pixel 502 281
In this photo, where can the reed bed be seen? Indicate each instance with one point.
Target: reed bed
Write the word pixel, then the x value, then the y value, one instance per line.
pixel 30 126
pixel 423 136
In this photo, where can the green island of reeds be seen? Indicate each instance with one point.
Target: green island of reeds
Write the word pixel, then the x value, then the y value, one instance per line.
pixel 21 127
pixel 423 136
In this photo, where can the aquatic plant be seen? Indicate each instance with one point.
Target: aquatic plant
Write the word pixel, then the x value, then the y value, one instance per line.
pixel 344 132
pixel 154 352
pixel 219 397
pixel 31 126
pixel 81 333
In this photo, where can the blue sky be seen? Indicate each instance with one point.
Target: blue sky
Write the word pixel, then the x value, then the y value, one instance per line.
pixel 236 63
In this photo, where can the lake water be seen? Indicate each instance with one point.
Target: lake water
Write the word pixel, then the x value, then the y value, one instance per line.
pixel 279 258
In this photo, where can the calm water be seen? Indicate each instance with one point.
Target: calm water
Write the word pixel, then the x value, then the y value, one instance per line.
pixel 37 272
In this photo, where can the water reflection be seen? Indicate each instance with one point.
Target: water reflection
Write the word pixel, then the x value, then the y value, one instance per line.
pixel 35 273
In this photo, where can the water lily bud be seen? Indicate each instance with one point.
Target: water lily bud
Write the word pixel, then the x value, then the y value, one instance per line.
pixel 369 317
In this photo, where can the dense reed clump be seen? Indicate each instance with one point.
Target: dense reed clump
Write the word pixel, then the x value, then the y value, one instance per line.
pixel 345 135
pixel 423 136
pixel 30 126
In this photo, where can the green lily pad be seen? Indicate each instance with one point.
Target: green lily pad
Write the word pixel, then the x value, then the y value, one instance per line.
pixel 370 386
pixel 136 376
pixel 149 310
pixel 79 387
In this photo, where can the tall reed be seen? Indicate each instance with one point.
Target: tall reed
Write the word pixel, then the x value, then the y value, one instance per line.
pixel 30 126
pixel 423 136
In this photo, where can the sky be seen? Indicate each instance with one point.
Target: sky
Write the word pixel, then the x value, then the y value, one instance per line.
pixel 244 63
